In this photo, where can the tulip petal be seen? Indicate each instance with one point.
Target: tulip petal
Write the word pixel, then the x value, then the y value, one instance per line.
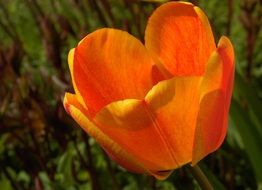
pixel 180 35
pixel 70 60
pixel 111 65
pixel 210 122
pixel 174 104
pixel 132 126
pixel 80 115
pixel 226 51
pixel 216 91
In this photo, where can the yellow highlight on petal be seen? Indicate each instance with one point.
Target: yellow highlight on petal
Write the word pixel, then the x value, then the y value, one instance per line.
pixel 71 68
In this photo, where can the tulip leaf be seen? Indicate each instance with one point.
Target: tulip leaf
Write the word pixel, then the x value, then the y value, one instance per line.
pixel 65 167
pixel 254 104
pixel 250 137
pixel 45 181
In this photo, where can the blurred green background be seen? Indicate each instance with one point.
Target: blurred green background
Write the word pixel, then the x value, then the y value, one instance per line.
pixel 42 148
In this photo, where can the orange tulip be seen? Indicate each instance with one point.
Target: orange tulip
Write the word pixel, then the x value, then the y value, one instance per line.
pixel 154 107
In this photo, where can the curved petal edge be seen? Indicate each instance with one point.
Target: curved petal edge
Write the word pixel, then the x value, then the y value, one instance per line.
pixel 216 92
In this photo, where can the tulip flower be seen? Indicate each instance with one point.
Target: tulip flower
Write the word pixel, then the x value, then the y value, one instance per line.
pixel 154 107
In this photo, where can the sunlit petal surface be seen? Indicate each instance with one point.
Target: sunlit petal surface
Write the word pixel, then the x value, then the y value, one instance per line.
pixel 131 124
pixel 111 65
pixel 216 91
pixel 180 35
pixel 80 115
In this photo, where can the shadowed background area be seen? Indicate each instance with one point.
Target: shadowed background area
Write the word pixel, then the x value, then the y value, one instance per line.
pixel 42 148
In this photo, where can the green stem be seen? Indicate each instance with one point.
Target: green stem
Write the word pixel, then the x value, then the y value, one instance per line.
pixel 200 177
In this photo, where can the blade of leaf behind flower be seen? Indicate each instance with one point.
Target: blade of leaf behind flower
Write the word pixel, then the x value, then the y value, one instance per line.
pixel 250 137
pixel 249 94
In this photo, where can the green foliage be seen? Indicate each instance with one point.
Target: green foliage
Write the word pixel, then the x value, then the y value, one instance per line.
pixel 42 148
pixel 5 184
pixel 249 124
